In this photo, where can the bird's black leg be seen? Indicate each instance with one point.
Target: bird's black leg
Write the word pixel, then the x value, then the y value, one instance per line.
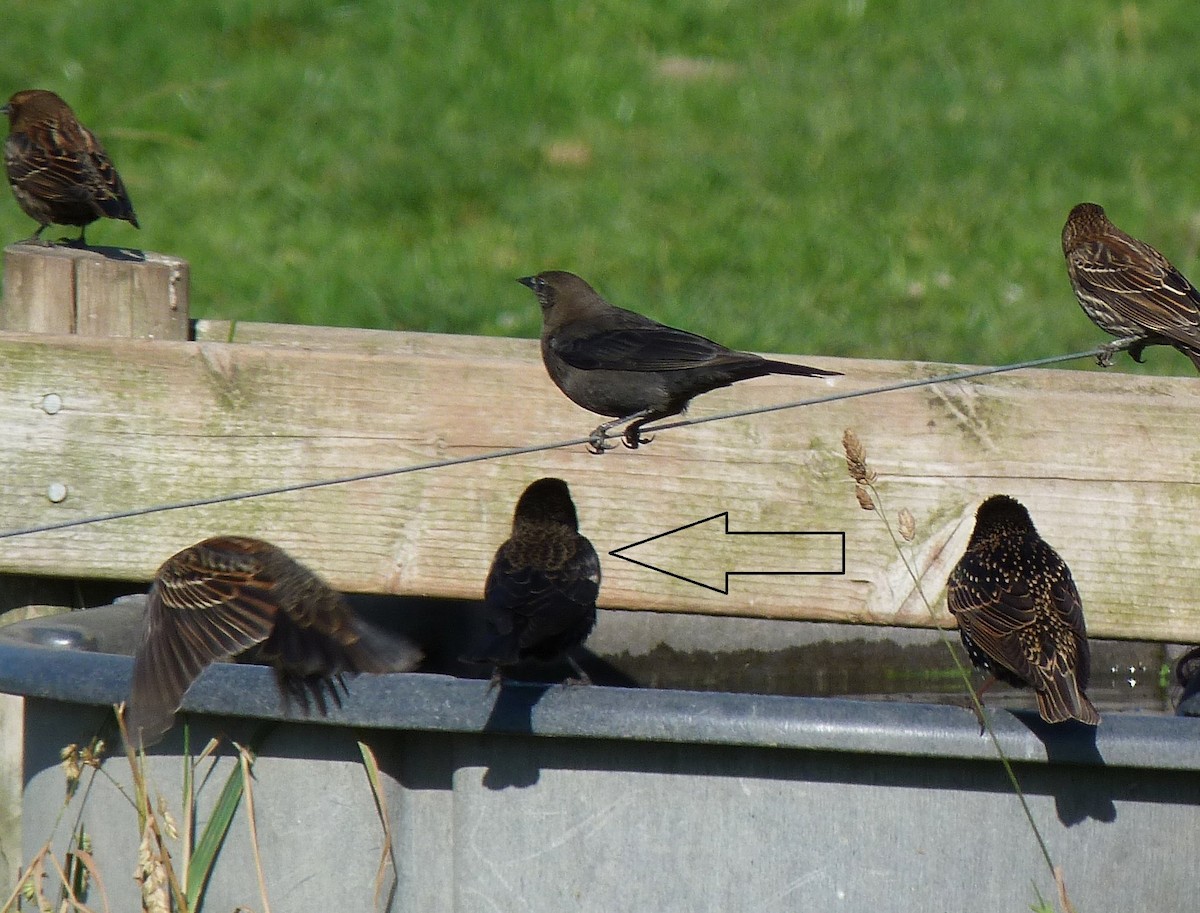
pixel 581 677
pixel 633 437
pixel 598 443
pixel 633 434
pixel 36 237
pixel 497 679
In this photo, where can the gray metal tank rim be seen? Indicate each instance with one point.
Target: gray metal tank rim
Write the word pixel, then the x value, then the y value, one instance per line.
pixel 441 703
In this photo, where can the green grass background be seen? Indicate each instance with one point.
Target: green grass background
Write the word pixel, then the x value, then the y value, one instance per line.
pixel 859 178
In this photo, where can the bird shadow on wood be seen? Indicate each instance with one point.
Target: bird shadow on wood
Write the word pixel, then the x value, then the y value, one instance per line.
pixel 127 254
pixel 1067 744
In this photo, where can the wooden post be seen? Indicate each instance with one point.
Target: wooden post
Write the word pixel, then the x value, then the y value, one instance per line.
pixel 97 291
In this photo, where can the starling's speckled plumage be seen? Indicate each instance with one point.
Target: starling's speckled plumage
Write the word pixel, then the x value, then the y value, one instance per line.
pixel 1127 287
pixel 1019 613
pixel 540 595
pixel 233 596
pixel 59 172
pixel 615 362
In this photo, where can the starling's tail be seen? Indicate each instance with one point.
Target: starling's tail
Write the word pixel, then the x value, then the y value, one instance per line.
pixel 786 367
pixel 377 650
pixel 1063 700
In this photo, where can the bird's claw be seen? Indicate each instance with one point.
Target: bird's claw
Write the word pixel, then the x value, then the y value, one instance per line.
pixel 1134 345
pixel 634 439
pixel 598 441
pixel 1106 354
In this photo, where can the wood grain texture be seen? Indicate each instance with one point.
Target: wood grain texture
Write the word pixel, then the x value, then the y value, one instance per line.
pixel 100 291
pixel 1105 462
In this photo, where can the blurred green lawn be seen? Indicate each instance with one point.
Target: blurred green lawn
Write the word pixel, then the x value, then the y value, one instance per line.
pixel 873 179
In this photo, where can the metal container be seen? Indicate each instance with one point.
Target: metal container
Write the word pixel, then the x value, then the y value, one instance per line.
pixel 549 798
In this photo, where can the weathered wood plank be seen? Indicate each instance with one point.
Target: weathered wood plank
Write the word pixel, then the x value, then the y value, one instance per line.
pixel 1106 463
pixel 39 292
pixel 94 292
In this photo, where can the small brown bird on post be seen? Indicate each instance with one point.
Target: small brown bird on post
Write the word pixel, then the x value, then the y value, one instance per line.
pixel 540 594
pixel 1128 288
pixel 59 172
pixel 1019 613
pixel 233 596
pixel 615 362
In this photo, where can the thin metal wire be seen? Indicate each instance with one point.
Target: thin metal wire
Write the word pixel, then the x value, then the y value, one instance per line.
pixel 558 445
pixel 900 385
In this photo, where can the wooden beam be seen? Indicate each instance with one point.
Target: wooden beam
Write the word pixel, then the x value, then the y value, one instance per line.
pixel 94 291
pixel 1106 463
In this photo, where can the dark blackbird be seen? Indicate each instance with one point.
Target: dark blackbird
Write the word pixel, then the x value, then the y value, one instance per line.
pixel 615 362
pixel 1019 613
pixel 233 596
pixel 58 170
pixel 540 595
pixel 1128 288
pixel 1187 674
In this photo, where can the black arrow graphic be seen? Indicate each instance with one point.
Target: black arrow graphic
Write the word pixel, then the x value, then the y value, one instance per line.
pixel 703 545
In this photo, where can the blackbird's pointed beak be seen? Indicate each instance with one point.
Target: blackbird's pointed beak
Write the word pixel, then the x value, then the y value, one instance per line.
pixel 528 280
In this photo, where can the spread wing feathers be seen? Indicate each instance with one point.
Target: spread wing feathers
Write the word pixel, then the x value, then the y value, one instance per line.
pixel 191 622
pixel 650 348
pixel 1139 284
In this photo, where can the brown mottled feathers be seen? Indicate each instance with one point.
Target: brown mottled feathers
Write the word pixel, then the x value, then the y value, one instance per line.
pixel 233 596
pixel 1127 287
pixel 58 170
pixel 1019 613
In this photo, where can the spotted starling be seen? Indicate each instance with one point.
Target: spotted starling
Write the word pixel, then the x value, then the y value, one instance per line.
pixel 540 595
pixel 233 596
pixel 1019 614
pixel 1128 288
pixel 614 362
pixel 59 172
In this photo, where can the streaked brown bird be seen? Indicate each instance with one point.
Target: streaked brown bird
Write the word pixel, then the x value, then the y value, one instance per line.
pixel 540 595
pixel 615 362
pixel 59 172
pixel 233 596
pixel 1128 288
pixel 1019 613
